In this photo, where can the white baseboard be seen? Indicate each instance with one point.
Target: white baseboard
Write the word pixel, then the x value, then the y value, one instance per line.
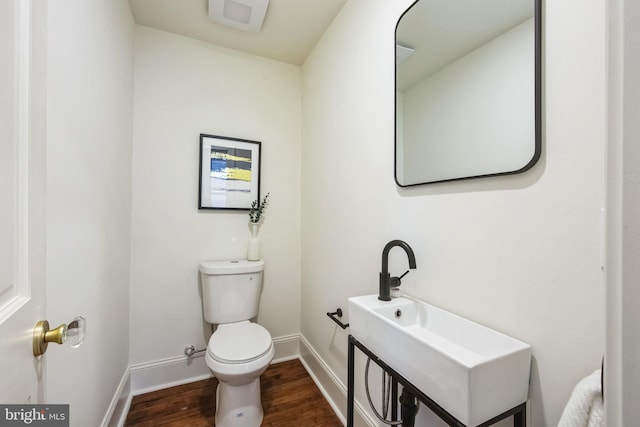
pixel 334 391
pixel 119 407
pixel 287 348
pixel 160 374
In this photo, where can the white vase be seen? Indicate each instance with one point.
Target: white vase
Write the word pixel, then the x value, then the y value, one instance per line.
pixel 253 252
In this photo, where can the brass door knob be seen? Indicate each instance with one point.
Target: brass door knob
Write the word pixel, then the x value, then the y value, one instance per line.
pixel 74 333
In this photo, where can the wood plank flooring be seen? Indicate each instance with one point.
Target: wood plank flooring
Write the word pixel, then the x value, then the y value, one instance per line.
pixel 290 398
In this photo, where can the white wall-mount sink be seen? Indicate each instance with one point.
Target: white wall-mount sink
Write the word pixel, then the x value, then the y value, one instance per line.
pixel 471 371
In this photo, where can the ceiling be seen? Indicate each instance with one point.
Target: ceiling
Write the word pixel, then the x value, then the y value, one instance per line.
pixel 290 31
pixel 443 31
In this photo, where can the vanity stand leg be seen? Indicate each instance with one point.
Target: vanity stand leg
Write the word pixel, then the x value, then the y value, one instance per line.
pixel 409 408
pixel 350 382
pixel 394 399
pixel 520 417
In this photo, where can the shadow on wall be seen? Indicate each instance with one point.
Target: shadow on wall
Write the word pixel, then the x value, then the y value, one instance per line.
pixel 489 183
pixel 535 395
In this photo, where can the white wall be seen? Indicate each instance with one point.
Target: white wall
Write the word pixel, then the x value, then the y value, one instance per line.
pixel 521 254
pixel 89 108
pixel 183 88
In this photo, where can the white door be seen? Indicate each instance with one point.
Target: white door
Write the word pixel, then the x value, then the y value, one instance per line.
pixel 22 191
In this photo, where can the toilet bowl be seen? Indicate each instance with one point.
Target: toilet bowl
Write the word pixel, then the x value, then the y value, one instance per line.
pixel 237 354
pixel 239 351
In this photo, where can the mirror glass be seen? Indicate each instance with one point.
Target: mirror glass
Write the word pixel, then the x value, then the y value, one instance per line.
pixel 467 89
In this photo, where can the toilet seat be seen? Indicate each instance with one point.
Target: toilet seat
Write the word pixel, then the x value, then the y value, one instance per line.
pixel 241 342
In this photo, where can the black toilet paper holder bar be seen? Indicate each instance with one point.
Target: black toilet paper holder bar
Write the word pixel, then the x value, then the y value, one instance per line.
pixel 338 313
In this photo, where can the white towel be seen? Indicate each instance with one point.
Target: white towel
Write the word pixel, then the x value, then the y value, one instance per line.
pixel 585 407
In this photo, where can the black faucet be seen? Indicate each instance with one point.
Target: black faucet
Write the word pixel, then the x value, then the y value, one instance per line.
pixel 386 281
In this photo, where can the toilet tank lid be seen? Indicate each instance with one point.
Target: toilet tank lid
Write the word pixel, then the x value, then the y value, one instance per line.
pixel 231 266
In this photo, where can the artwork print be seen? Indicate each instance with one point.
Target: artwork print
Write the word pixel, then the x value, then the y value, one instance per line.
pixel 229 172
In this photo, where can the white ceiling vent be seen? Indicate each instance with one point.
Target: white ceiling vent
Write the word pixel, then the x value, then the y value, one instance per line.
pixel 403 52
pixel 246 15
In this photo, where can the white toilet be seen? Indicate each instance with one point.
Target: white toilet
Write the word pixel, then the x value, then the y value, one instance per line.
pixel 239 351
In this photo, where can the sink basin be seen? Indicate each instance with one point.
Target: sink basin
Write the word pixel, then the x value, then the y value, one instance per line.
pixel 473 372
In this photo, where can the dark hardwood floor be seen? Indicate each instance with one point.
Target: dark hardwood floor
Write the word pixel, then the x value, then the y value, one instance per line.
pixel 290 398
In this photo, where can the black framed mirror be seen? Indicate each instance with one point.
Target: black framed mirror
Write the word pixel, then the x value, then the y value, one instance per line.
pixel 468 89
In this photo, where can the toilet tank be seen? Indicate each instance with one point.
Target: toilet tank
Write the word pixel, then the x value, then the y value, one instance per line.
pixel 230 290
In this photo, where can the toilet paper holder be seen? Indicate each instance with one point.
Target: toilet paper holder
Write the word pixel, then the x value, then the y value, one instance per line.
pixel 338 313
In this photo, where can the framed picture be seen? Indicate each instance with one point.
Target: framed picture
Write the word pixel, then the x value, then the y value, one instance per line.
pixel 229 172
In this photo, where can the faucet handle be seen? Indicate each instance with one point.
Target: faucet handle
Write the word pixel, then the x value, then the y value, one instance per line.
pixel 394 282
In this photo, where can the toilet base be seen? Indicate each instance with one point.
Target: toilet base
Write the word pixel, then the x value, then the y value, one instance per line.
pixel 239 405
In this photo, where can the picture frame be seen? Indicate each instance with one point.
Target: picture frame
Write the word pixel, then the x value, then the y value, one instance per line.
pixel 229 172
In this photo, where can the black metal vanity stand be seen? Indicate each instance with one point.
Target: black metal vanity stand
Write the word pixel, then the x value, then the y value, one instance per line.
pixel 518 412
